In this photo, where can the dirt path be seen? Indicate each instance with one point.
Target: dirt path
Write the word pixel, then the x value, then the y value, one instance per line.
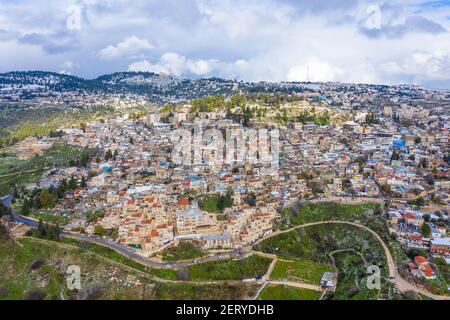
pixel 295 284
pixel 272 264
pixel 394 276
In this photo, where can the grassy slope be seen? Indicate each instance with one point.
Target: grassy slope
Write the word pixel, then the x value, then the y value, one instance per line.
pixel 113 255
pixel 280 292
pixel 16 277
pixel 307 213
pixel 184 251
pixel 300 270
pixel 364 214
pixel 230 269
pixel 14 171
pixel 315 243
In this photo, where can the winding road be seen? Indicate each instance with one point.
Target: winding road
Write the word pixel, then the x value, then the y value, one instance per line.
pixel 394 276
pixel 129 253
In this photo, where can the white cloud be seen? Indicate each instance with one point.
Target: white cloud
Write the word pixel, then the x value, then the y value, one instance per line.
pixel 314 70
pixel 421 66
pixel 252 40
pixel 68 67
pixel 130 47
pixel 146 66
pixel 175 64
pixel 240 19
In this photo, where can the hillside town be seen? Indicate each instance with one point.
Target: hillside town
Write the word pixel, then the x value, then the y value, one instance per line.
pixel 153 203
pixel 353 145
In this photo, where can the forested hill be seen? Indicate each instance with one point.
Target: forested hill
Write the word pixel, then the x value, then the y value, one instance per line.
pixel 155 87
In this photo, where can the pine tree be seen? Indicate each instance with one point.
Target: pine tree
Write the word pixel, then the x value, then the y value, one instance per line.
pixel 426 230
pixel 73 183
pixel 108 155
pixel 83 183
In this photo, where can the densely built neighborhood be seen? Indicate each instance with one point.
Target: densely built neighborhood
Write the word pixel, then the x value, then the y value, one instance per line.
pixel 337 143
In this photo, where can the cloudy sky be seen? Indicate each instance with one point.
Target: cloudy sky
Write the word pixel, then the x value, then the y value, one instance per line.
pixel 395 41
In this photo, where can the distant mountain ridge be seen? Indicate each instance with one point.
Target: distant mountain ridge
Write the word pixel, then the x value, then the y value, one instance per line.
pixel 158 88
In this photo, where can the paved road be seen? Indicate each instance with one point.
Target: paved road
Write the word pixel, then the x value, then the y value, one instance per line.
pixel 142 273
pixel 401 283
pixel 129 253
pixel 26 221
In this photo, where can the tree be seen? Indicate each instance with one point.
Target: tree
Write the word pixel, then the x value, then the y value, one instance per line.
pixel 250 199
pixel 41 230
pixel 4 210
pixel 4 236
pixel 426 230
pixel 73 183
pixel 61 190
pixel 99 231
pixel 423 163
pixel 46 198
pixel 83 183
pixel 395 156
pixel 224 202
pixel 379 210
pixel 414 252
pixel 371 119
pixel 247 115
pixel 108 155
pixel 26 207
pixel 418 202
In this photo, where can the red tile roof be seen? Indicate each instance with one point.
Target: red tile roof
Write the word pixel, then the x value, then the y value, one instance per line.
pixel 427 271
pixel 183 202
pixel 150 199
pixel 409 216
pixel 415 238
pixel 420 260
